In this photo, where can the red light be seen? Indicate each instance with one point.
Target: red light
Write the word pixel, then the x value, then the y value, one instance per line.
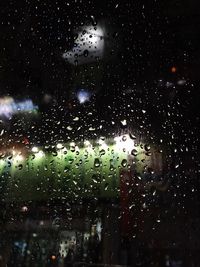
pixel 173 69
pixel 53 257
pixel 25 141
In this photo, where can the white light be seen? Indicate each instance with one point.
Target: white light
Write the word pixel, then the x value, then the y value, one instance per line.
pixel 40 154
pixel 19 158
pixel 124 122
pixel 87 143
pixel 59 146
pixel 76 148
pixel 35 149
pixel 89 148
pixel 87 46
pixel 8 106
pixel 24 208
pixel 72 144
pixel 181 82
pixel 124 143
pixel 83 96
pixel 102 144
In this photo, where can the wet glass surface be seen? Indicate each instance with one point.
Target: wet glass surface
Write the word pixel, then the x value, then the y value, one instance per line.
pixel 99 133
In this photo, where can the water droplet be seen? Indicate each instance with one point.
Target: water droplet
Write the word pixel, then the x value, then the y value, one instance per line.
pixel 76 119
pixel 124 163
pixel 96 162
pixel 124 138
pixel 106 186
pixel 102 152
pixel 95 180
pixel 131 206
pixel 66 169
pixel 72 148
pixel 132 136
pixel 20 166
pixel 69 128
pixel 86 53
pixel 134 152
pixel 91 129
pixel 71 161
pixel 124 122
pixel 75 182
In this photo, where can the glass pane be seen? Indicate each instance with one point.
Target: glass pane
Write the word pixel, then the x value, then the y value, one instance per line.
pixel 99 133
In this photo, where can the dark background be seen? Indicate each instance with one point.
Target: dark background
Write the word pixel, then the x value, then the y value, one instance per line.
pixel 151 38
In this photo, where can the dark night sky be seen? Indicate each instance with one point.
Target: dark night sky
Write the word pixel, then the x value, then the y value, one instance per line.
pixel 155 37
pixel 147 39
pixel 151 38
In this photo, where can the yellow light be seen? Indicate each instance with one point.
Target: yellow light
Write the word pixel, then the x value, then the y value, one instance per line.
pixel 53 257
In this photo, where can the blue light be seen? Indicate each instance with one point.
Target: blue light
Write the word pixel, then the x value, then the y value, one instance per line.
pixel 83 96
pixel 8 106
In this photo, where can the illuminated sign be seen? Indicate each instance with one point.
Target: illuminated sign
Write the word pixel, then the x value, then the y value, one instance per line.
pixel 8 106
pixel 92 169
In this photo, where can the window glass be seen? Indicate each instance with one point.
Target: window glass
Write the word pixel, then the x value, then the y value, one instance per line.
pixel 99 133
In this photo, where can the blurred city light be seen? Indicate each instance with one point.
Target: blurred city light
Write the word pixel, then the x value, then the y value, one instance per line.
pixel 87 143
pixel 124 142
pixel 102 144
pixel 40 154
pixel 83 96
pixel 35 149
pixel 18 157
pixel 24 209
pixel 8 106
pixel 53 257
pixel 87 47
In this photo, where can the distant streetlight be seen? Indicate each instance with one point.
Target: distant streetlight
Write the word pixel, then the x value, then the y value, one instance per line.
pixel 124 142
pixel 35 149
